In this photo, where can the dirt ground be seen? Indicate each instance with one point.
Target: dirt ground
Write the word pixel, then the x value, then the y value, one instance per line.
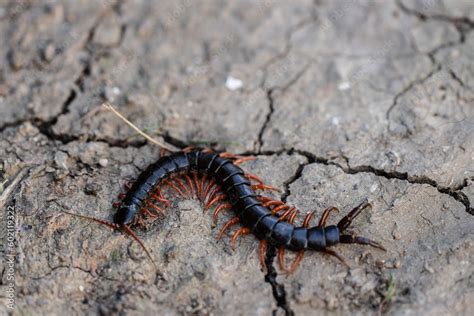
pixel 338 100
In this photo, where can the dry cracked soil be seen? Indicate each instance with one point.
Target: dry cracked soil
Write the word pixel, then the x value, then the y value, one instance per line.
pixel 337 100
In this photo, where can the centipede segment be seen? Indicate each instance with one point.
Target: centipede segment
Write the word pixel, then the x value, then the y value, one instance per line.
pixel 219 183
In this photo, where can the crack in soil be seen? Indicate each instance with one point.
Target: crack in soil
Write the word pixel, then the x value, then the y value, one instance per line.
pixel 278 290
pixel 463 24
pixel 454 192
pixel 409 87
pixel 267 119
pixel 293 179
pixel 280 56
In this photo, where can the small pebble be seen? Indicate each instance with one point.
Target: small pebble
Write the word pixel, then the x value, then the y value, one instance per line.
pixel 49 169
pixel 397 264
pixel 380 263
pixel 233 83
pixel 111 93
pixel 60 160
pixel 428 268
pixel 49 52
pixel 396 234
pixel 92 188
pixel 103 162
pixel 81 288
pixel 344 86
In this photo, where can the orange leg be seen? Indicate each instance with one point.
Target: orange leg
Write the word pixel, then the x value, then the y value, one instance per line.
pixel 262 253
pixel 292 218
pixel 264 187
pixel 279 208
pixel 181 185
pixel 296 262
pixel 174 187
pixel 190 184
pixel 196 182
pixel 226 226
pixel 281 259
pixel 325 216
pixel 287 213
pixel 188 149
pixel 147 212
pixel 156 208
pixel 213 193
pixel 240 232
pixel 273 203
pixel 202 184
pixel 254 177
pixel 219 209
pixel 215 200
pixel 207 150
pixel 308 218
pixel 243 159
pixel 263 199
pixel 229 155
pixel 160 199
pixel 207 188
pixel 335 254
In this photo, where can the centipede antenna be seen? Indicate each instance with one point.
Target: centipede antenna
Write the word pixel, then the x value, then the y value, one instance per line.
pixel 130 232
pixel 97 220
pixel 169 147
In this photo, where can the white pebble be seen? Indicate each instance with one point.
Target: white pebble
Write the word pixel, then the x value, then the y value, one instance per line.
pixel 103 162
pixel 344 86
pixel 233 83
pixel 374 187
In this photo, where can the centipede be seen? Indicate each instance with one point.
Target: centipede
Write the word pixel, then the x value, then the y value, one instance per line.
pixel 219 182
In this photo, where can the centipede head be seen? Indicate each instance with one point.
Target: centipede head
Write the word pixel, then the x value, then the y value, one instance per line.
pixel 125 214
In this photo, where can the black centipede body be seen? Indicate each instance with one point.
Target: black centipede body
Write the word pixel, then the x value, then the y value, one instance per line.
pixel 250 211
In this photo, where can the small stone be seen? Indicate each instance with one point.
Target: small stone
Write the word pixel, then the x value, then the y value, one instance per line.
pixel 233 83
pixel 344 86
pixel 49 169
pixel 374 187
pixel 397 264
pixel 111 93
pixel 61 160
pixel 92 188
pixel 380 263
pixel 428 268
pixel 103 162
pixel 49 52
pixel 396 234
